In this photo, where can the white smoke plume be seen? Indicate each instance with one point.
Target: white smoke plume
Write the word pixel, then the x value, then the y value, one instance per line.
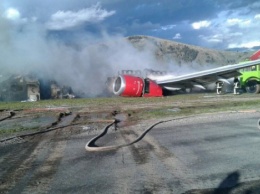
pixel 26 47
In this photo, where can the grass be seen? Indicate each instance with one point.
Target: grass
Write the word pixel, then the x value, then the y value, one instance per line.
pixel 146 108
pixel 186 111
pixel 193 100
pixel 140 108
pixel 16 129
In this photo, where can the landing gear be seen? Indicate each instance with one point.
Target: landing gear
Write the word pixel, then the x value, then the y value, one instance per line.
pixel 188 90
pixel 236 85
pixel 219 87
pixel 236 88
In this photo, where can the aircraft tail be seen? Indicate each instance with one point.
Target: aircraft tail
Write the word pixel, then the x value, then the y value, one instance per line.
pixel 255 56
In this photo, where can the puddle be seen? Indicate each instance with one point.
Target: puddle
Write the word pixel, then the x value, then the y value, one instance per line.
pixel 107 117
pixel 174 110
pixel 122 117
pixel 27 122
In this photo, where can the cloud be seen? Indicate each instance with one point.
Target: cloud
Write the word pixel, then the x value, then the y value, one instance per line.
pixel 159 28
pixel 12 14
pixel 201 24
pixel 69 19
pixel 84 66
pixel 230 28
pixel 250 44
pixel 137 26
pixel 137 17
pixel 216 38
pixel 240 22
pixel 168 27
pixel 177 36
pixel 257 16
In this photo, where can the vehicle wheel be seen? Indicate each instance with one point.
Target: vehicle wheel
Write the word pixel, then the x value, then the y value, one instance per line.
pixel 253 87
pixel 219 91
pixel 258 124
pixel 188 90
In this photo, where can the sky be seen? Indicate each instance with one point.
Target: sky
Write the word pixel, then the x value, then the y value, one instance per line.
pixel 80 43
pixel 219 24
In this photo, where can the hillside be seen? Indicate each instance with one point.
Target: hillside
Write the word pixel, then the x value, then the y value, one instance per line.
pixel 171 51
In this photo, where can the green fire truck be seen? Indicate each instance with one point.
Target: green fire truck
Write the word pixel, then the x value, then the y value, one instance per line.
pixel 250 78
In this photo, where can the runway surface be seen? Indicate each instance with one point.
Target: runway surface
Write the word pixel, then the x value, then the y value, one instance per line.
pixel 211 153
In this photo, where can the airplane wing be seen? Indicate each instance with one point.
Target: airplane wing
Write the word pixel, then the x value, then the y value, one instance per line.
pixel 202 78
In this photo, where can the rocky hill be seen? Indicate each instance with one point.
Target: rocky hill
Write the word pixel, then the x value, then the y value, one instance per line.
pixel 171 51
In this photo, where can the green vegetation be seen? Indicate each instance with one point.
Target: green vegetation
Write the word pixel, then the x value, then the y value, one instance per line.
pixel 36 115
pixel 197 109
pixel 86 102
pixel 16 129
pixel 203 101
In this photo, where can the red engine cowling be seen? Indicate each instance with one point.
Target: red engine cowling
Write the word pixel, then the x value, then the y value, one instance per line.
pixel 152 89
pixel 131 86
pixel 127 85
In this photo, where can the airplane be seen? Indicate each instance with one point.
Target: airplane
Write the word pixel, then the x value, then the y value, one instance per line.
pixel 126 85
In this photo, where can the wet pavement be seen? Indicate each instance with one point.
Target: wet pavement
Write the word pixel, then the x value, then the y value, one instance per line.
pixel 212 153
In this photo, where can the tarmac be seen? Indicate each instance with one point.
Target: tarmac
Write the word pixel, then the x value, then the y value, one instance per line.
pixel 208 153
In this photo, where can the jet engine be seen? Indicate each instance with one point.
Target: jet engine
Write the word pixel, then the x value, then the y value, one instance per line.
pixel 132 86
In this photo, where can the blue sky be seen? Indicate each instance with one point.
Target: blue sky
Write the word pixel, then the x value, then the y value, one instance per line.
pixel 219 24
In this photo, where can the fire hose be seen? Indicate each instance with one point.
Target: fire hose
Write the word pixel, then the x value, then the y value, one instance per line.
pixel 92 147
pixel 11 114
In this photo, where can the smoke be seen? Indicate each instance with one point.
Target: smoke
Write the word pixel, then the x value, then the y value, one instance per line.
pixel 84 62
pixel 26 47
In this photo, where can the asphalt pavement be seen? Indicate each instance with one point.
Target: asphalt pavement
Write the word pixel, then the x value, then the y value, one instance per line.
pixel 203 154
pixel 211 153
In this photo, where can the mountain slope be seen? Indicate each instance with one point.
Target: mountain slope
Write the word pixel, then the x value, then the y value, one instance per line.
pixel 171 51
